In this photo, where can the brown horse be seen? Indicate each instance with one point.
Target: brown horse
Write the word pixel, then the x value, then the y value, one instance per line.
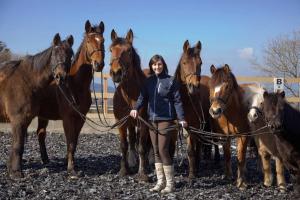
pixel 267 149
pixel 126 70
pixel 194 91
pixel 22 84
pixel 89 57
pixel 229 117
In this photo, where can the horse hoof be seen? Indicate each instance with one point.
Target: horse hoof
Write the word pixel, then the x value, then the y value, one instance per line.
pixel 282 189
pixel 15 175
pixel 123 173
pixel 241 185
pixel 192 176
pixel 143 178
pixel 45 161
pixel 73 175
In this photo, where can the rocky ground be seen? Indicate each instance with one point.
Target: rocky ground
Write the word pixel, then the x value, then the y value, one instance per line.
pixel 98 160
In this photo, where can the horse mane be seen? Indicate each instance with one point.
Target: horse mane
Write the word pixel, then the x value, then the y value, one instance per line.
pixel 41 59
pixel 76 56
pixel 221 76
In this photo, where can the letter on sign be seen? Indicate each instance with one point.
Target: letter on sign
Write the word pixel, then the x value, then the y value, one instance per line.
pixel 278 84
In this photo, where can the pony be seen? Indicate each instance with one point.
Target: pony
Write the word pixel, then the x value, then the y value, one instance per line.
pixel 229 117
pixel 253 99
pixel 194 92
pixel 125 69
pixel 283 121
pixel 22 84
pixel 76 96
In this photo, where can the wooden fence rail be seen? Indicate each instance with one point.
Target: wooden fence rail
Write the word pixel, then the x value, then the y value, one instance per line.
pixel 246 79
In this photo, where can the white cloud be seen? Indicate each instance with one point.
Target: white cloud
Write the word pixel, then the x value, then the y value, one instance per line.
pixel 246 53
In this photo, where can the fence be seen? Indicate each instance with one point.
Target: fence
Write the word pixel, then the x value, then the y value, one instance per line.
pixel 107 108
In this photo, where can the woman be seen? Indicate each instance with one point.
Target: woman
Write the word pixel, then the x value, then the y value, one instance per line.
pixel 161 93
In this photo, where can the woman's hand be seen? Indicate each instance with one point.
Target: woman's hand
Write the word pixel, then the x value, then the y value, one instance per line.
pixel 183 123
pixel 133 113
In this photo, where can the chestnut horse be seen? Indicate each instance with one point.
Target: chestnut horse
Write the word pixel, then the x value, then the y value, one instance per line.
pixel 265 142
pixel 55 106
pixel 21 86
pixel 283 121
pixel 229 117
pixel 194 92
pixel 126 70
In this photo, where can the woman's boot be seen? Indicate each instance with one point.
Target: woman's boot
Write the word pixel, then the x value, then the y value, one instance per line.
pixel 170 184
pixel 161 182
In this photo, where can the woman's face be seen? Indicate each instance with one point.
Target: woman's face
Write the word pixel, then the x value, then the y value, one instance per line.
pixel 158 67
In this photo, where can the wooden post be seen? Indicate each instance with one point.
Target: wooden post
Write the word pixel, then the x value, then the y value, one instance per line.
pixel 105 98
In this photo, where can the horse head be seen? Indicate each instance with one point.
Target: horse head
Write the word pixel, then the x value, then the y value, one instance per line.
pixel 254 100
pixel 94 44
pixel 222 86
pixel 273 109
pixel 189 67
pixel 122 52
pixel 61 57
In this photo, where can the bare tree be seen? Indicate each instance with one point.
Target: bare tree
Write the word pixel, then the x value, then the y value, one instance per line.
pixel 5 53
pixel 281 58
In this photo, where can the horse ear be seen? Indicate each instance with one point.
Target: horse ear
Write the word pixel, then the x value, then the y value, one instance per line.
pixel 282 94
pixel 227 68
pixel 265 94
pixel 88 26
pixel 213 69
pixel 101 27
pixel 70 40
pixel 129 36
pixel 113 35
pixel 186 46
pixel 56 39
pixel 199 45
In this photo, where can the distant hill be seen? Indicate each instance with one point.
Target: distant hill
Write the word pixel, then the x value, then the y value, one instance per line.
pixel 98 87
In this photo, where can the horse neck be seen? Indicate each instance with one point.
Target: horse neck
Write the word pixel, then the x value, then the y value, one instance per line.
pixel 40 68
pixel 236 108
pixel 133 84
pixel 81 68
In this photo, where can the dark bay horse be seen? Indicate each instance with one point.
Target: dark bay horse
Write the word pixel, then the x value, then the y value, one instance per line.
pixel 22 84
pixel 194 91
pixel 89 57
pixel 126 70
pixel 229 117
pixel 284 122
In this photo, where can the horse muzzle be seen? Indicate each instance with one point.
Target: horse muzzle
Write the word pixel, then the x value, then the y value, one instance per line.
pixel 215 113
pixel 116 76
pixel 98 66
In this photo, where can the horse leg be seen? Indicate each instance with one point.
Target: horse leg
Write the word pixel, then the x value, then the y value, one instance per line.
pixel 191 157
pixel 266 167
pixel 280 175
pixel 72 128
pixel 41 132
pixel 142 149
pixel 124 148
pixel 207 151
pixel 14 165
pixel 132 160
pixel 217 154
pixel 227 158
pixel 241 155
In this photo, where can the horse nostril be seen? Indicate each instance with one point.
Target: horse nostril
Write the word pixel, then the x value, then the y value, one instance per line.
pixel 255 116
pixel 217 111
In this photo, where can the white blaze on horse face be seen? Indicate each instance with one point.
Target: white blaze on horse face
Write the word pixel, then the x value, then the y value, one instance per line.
pixel 98 39
pixel 218 88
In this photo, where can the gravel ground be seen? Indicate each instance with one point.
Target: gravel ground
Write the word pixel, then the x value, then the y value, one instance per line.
pixel 98 159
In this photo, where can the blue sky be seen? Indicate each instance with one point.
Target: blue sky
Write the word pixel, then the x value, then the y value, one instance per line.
pixel 231 31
